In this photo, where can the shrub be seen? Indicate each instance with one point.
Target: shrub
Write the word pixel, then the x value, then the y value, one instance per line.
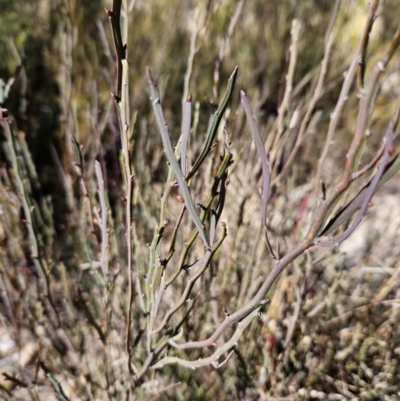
pixel 97 307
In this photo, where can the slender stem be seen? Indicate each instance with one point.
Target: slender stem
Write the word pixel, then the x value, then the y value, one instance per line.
pixel 213 359
pixel 295 32
pixel 187 110
pixel 369 193
pixel 103 222
pixel 123 113
pixel 349 76
pixel 198 273
pixel 254 303
pixel 220 176
pixel 316 94
pixel 266 169
pixel 162 126
pixel 215 124
pixel 114 16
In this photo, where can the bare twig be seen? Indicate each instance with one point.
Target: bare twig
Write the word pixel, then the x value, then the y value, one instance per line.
pixel 103 223
pixel 266 170
pixel 203 262
pixel 114 16
pixel 369 193
pixel 295 33
pixel 316 95
pixel 187 110
pixel 162 126
pixel 219 351
pixel 349 76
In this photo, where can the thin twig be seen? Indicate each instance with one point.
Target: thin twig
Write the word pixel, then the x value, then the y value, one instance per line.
pixel 369 193
pixel 266 169
pixel 114 16
pixel 204 262
pixel 219 351
pixel 187 110
pixel 349 76
pixel 162 126
pixel 125 130
pixel 295 33
pixel 316 95
pixel 215 124
pixel 103 223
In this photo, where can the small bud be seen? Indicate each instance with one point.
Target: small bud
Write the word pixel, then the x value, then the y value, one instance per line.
pixel 116 98
pixel 201 206
pixel 323 189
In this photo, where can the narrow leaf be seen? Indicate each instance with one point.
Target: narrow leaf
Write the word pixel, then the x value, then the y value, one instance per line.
pixel 365 195
pixel 162 126
pixel 215 124
pixel 266 169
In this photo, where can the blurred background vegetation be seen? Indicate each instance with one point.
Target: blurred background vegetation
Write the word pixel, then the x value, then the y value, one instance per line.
pixel 345 340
